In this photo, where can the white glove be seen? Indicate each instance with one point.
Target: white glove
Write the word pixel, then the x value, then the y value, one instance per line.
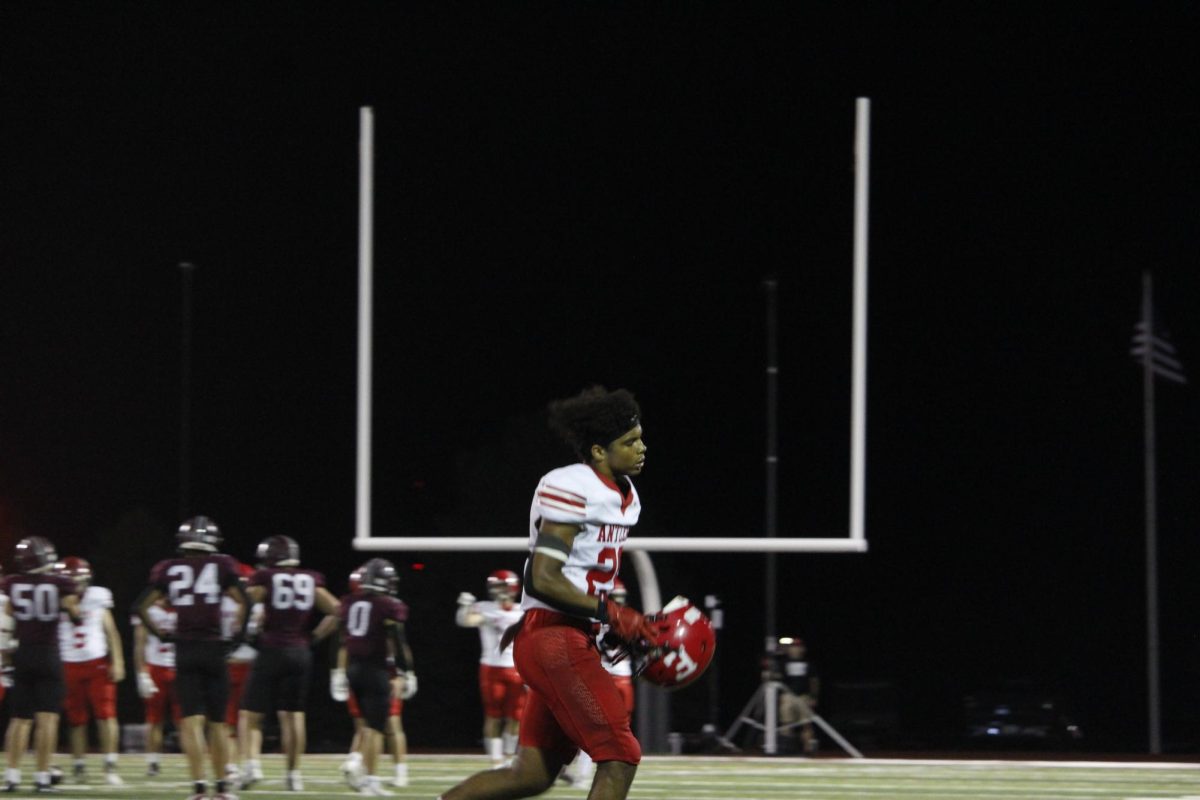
pixel 466 598
pixel 410 685
pixel 146 687
pixel 339 687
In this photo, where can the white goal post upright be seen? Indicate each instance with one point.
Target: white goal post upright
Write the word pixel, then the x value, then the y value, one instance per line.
pixel 366 213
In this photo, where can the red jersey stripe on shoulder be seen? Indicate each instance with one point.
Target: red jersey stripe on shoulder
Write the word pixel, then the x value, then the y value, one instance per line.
pixel 566 493
pixel 550 503
pixel 554 493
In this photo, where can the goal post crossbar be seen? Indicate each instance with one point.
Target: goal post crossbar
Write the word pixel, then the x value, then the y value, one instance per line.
pixel 714 544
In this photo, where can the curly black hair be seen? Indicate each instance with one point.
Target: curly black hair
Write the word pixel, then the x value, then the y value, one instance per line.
pixel 594 416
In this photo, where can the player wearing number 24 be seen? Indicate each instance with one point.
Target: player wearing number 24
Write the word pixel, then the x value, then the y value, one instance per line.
pixel 193 583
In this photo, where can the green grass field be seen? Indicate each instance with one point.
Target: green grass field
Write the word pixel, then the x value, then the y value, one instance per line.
pixel 718 778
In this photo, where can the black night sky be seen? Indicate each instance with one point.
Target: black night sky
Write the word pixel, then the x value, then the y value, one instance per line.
pixel 577 193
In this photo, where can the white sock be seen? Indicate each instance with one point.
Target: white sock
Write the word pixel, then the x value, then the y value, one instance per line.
pixel 41 778
pixel 12 775
pixel 110 759
pixel 583 765
pixel 355 757
pixel 494 748
pixel 510 744
pixel 151 758
pixel 293 773
pixel 402 771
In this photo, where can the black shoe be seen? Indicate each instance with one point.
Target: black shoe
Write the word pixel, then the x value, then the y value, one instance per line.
pixel 152 770
pixel 44 788
pixel 10 787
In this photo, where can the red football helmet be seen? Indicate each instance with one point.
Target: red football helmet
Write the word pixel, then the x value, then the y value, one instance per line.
pixel 356 579
pixel 76 568
pixel 686 645
pixel 503 581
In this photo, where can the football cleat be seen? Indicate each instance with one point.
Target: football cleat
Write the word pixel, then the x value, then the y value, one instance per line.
pixel 199 533
pixel 278 551
pixel 684 648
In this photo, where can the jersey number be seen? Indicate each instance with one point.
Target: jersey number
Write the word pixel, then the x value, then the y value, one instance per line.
pixel 358 621
pixel 292 591
pixel 35 601
pixel 186 585
pixel 609 555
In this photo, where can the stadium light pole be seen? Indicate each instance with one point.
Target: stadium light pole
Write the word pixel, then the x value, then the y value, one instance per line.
pixel 186 270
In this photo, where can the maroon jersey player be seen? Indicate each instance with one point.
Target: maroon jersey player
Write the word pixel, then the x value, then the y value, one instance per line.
pixel 193 583
pixel 36 596
pixel 378 660
pixel 290 595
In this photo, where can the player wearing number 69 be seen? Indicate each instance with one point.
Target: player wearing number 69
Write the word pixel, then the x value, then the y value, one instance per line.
pixel 193 583
pixel 279 679
pixel 36 597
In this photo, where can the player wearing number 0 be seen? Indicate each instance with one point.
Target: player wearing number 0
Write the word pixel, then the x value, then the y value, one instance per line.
pixel 580 518
pixel 279 679
pixel 93 663
pixel 36 597
pixel 194 583
pixel 500 685
pixel 378 661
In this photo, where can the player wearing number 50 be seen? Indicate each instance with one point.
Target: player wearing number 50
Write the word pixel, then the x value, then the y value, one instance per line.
pixel 94 663
pixel 279 678
pixel 193 583
pixel 579 521
pixel 36 598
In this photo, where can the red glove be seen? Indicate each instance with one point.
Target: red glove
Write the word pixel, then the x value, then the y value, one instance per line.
pixel 629 626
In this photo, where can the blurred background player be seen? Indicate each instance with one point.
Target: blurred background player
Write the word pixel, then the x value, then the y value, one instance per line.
pixel 375 663
pixel 36 596
pixel 799 698
pixel 154 661
pixel 193 582
pixel 288 595
pixel 6 643
pixel 93 665
pixel 246 746
pixel 500 685
pixel 619 665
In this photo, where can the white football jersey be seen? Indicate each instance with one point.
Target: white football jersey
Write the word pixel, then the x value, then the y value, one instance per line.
pixel 578 495
pixel 496 620
pixel 229 607
pixel 158 652
pixel 7 624
pixel 86 641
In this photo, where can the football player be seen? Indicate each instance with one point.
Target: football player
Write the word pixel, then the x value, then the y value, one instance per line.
pixel 36 595
pixel 579 520
pixel 154 661
pixel 500 685
pixel 93 665
pixel 289 595
pixel 378 662
pixel 193 582
pixel 246 745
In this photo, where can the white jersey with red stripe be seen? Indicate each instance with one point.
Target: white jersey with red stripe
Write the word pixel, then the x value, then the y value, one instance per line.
pixel 578 495
pixel 229 613
pixel 496 620
pixel 86 641
pixel 159 653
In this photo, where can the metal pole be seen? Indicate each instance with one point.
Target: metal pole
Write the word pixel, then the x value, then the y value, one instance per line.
pixel 186 270
pixel 772 468
pixel 858 389
pixel 366 210
pixel 1152 683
